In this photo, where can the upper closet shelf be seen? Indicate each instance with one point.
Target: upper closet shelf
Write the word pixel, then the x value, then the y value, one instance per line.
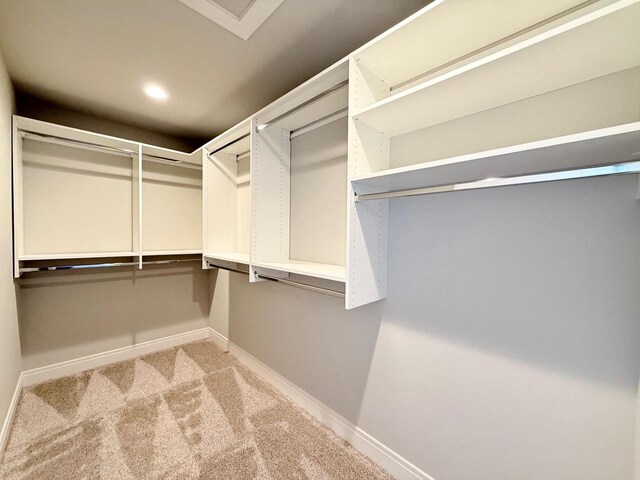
pixel 235 141
pixel 337 273
pixel 598 147
pixel 321 98
pixel 599 43
pixel 171 157
pixel 233 257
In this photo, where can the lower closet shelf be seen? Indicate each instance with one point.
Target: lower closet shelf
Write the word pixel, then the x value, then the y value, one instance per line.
pixel 337 273
pixel 70 256
pixel 151 253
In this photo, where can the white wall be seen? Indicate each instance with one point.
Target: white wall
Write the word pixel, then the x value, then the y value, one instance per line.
pixel 507 347
pixel 9 342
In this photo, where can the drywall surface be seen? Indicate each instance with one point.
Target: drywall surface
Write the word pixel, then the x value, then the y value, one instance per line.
pixel 507 347
pixel 219 294
pixel 10 362
pixel 636 475
pixel 68 315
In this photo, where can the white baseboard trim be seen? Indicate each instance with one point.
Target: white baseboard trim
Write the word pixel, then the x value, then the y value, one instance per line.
pixel 71 367
pixel 8 419
pixel 219 339
pixel 396 465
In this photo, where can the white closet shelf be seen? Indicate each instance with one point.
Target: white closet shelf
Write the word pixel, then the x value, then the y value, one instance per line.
pixel 337 273
pixel 597 147
pixel 171 252
pixel 295 107
pixel 602 42
pixel 65 256
pixel 457 28
pixel 234 257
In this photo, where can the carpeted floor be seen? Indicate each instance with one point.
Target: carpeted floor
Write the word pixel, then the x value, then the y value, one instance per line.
pixel 190 412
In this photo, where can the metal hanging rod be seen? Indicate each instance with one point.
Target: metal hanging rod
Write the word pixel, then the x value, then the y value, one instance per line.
pixel 172 161
pixel 64 140
pixel 211 265
pixel 494 44
pixel 101 265
pixel 164 262
pixel 311 101
pixel 304 286
pixel 96 146
pixel 319 123
pixel 228 144
pixel 589 172
pixel 326 291
pixel 243 155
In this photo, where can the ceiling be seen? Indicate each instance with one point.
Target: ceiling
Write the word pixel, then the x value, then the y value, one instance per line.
pixel 95 55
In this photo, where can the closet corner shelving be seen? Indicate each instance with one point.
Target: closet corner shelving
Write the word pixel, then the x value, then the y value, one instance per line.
pixel 83 196
pixel 531 87
pixel 300 191
pixel 226 198
pixel 172 201
pixel 299 156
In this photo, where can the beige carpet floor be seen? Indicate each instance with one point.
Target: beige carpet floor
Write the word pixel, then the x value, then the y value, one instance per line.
pixel 190 412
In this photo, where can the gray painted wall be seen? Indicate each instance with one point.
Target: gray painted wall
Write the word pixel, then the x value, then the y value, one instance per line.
pixel 10 362
pixel 507 347
pixel 68 315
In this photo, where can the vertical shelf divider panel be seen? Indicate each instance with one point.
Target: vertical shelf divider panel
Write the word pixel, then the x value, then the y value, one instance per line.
pixel 206 194
pixel 270 195
pixel 220 172
pixel 18 199
pixel 367 223
pixel 137 204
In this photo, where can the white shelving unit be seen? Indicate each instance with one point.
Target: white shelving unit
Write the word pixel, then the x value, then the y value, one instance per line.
pixel 172 202
pixel 226 200
pixel 299 181
pixel 532 88
pixel 79 195
pixel 459 92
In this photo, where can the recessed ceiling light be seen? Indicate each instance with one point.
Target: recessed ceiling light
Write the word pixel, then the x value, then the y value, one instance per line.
pixel 156 92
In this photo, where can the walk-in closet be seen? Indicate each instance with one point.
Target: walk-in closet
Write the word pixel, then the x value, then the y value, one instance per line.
pixel 336 240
